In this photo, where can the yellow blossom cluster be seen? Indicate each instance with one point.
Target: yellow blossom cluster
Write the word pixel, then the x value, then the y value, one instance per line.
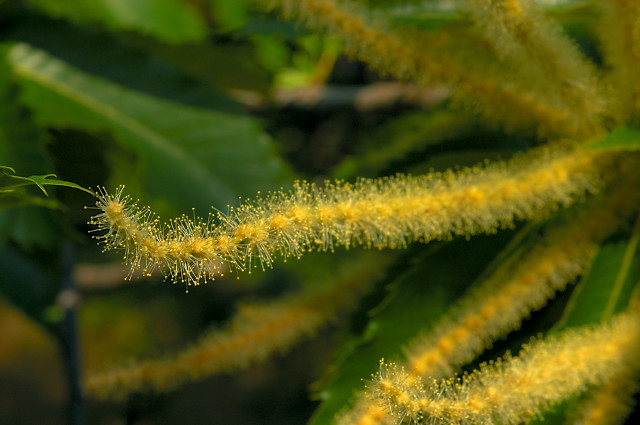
pixel 375 213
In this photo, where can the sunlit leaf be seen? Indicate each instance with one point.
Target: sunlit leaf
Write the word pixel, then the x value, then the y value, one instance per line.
pixel 190 156
pixel 172 21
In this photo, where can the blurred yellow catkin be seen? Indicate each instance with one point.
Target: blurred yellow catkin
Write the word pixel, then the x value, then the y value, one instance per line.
pixel 515 389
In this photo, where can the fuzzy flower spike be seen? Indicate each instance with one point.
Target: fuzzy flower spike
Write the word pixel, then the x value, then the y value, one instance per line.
pixel 375 213
pixel 516 389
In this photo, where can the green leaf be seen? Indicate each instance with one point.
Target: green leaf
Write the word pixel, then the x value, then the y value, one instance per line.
pixel 38 180
pixel 186 155
pixel 25 219
pixel 145 64
pixel 622 138
pixel 171 21
pixel 604 290
pixel 607 286
pixel 22 143
pixel 426 285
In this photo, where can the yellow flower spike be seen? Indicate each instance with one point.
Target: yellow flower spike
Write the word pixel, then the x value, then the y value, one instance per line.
pixel 525 283
pixel 608 404
pixel 510 104
pixel 421 208
pixel 620 45
pixel 542 58
pixel 254 333
pixel 515 389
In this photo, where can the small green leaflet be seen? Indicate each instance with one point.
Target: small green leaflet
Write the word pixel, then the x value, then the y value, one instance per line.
pixel 10 182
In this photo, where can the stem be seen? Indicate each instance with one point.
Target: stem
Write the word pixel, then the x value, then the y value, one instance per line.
pixel 68 300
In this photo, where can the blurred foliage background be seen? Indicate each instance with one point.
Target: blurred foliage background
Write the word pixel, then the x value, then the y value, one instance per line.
pixel 193 104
